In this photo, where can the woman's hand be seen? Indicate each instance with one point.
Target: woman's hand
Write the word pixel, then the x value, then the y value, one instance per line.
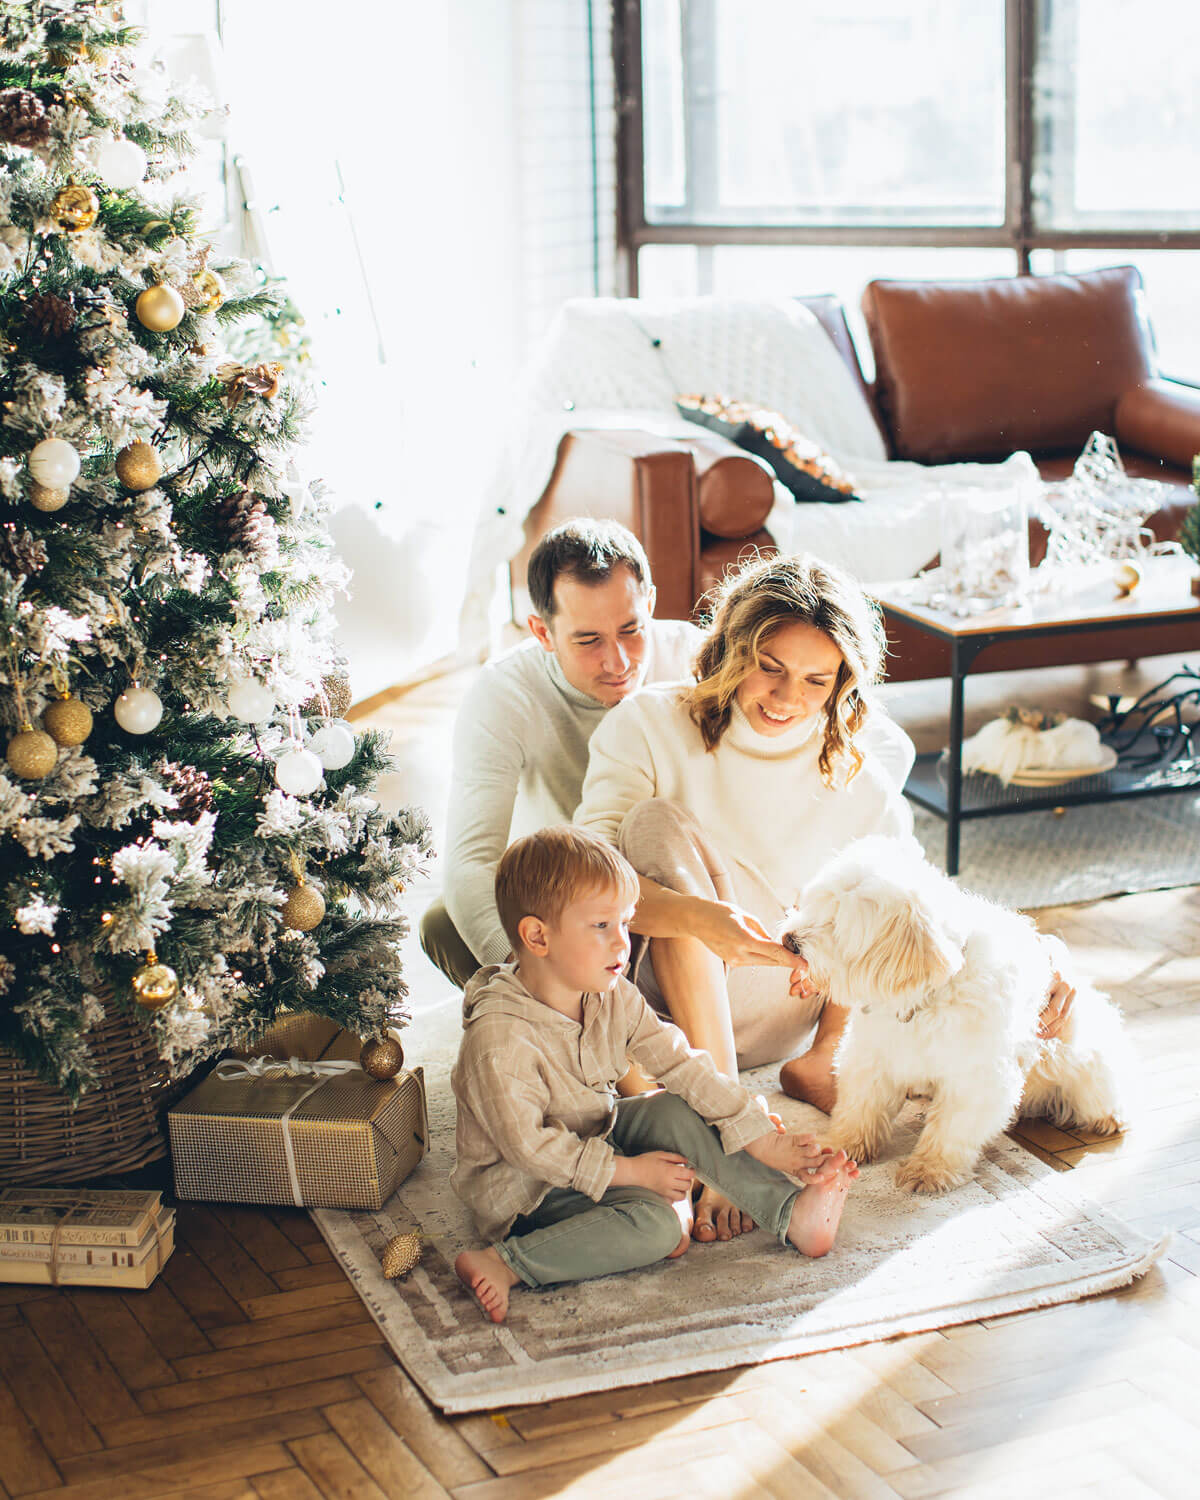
pixel 736 937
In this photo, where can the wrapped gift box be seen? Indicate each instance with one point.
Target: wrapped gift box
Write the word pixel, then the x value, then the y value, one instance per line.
pixel 325 1135
pixel 306 1035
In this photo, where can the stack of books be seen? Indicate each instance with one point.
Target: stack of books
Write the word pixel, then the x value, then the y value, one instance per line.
pixel 77 1237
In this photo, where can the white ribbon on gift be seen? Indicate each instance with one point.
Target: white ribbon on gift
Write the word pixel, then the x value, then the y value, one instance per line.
pixel 291 1067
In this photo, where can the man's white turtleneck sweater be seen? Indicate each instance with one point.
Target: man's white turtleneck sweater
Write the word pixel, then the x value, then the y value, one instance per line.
pixel 520 754
pixel 760 798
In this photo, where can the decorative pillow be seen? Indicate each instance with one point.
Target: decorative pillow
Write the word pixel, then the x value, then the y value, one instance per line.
pixel 808 472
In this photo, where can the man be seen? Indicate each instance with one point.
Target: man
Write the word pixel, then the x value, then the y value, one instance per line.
pixel 521 737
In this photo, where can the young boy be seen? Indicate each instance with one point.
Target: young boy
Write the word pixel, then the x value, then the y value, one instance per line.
pixel 566 1179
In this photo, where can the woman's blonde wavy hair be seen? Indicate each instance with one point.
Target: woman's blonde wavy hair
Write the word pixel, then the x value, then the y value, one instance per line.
pixel 750 606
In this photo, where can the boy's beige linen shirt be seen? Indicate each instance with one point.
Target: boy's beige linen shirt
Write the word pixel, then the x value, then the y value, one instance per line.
pixel 537 1093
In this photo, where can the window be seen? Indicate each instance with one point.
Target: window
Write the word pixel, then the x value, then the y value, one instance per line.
pixel 806 146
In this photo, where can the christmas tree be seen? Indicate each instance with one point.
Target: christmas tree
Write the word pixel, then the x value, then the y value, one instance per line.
pixel 185 830
pixel 1189 531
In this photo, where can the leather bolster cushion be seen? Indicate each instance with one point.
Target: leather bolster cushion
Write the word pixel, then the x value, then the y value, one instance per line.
pixel 734 490
pixel 978 369
pixel 1161 418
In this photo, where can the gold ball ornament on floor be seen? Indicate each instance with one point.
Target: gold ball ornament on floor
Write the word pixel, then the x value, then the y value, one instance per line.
pixel 32 754
pixel 400 1255
pixel 75 208
pixel 67 721
pixel 138 466
pixel 45 497
pixel 154 985
pixel 382 1058
pixel 159 308
pixel 304 908
pixel 209 290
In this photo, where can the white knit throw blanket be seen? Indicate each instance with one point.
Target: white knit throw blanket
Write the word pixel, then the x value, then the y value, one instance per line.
pixel 617 363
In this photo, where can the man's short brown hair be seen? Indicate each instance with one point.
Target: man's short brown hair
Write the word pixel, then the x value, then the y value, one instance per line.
pixel 586 550
pixel 543 873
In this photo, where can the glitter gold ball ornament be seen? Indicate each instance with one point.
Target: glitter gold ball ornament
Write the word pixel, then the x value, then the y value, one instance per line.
pixel 138 466
pixel 382 1058
pixel 154 985
pixel 67 721
pixel 209 290
pixel 31 754
pixel 159 308
pixel 333 699
pixel 74 208
pixel 303 909
pixel 46 498
pixel 400 1255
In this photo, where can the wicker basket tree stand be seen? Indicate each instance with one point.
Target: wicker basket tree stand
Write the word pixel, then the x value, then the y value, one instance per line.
pixel 116 1127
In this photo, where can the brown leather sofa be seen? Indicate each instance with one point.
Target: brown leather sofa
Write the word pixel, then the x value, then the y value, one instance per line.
pixel 965 370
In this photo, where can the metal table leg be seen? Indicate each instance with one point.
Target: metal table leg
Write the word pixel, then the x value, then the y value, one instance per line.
pixel 954 758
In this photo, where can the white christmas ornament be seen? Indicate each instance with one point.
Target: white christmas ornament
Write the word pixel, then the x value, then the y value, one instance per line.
pixel 122 164
pixel 250 702
pixel 298 772
pixel 138 710
pixel 54 463
pixel 333 744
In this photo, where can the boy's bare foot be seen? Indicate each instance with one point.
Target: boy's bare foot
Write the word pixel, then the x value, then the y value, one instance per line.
pixel 718 1219
pixel 488 1280
pixel 817 1212
pixel 810 1078
pixel 686 1215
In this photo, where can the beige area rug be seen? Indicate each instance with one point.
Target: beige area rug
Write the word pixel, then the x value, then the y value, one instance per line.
pixel 1021 1236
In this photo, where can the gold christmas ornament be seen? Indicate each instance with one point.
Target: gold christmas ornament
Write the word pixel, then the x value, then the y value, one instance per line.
pixel 67 721
pixel 44 497
pixel 159 308
pixel 75 208
pixel 332 701
pixel 400 1255
pixel 154 985
pixel 382 1058
pixel 209 290
pixel 1126 576
pixel 31 753
pixel 138 466
pixel 304 908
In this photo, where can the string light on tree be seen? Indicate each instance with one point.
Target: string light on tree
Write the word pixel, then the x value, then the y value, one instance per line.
pixel 138 710
pixel 159 308
pixel 54 463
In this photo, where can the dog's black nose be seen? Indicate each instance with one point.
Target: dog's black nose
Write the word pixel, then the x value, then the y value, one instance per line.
pixel 791 942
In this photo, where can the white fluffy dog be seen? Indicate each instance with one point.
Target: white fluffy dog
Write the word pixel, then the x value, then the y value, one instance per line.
pixel 944 991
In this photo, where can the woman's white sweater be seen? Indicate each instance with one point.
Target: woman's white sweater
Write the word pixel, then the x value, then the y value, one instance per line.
pixel 760 798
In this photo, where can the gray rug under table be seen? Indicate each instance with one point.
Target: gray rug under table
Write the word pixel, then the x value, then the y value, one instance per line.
pixel 1020 1236
pixel 1033 859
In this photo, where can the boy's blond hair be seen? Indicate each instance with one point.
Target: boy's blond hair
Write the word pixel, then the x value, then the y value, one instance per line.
pixel 543 873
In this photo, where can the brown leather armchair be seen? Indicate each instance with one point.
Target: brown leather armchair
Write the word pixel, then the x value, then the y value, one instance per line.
pixel 964 370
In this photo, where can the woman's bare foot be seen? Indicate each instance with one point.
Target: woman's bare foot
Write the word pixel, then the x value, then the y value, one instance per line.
pixel 817 1212
pixel 810 1078
pixel 686 1215
pixel 718 1219
pixel 488 1280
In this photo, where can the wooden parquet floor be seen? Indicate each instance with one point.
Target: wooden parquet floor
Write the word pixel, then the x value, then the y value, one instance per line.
pixel 252 1369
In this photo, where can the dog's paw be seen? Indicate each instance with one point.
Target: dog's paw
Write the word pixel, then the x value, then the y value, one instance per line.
pixel 915 1175
pixel 1107 1125
pixel 855 1147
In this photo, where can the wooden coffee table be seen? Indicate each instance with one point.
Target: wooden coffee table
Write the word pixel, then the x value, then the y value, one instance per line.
pixel 1160 605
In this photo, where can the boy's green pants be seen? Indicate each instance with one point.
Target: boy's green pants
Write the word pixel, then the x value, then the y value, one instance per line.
pixel 571 1237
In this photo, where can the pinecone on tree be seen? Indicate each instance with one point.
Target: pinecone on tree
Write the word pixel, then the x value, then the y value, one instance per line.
pixel 244 521
pixel 21 553
pixel 50 316
pixel 23 119
pixel 190 785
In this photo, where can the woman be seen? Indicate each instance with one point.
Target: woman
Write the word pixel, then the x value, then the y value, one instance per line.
pixel 727 793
